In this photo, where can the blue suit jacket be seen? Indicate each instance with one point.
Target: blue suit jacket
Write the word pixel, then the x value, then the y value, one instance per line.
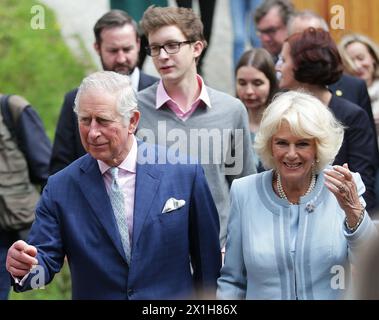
pixel 67 146
pixel 75 218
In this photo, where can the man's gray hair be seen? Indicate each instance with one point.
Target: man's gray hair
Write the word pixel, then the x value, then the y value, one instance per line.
pixel 286 10
pixel 115 84
pixel 307 15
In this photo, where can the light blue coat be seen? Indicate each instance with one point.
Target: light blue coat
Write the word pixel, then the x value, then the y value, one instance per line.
pixel 275 250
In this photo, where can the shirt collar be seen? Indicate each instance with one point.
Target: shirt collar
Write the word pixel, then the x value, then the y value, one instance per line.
pixel 134 78
pixel 129 164
pixel 163 97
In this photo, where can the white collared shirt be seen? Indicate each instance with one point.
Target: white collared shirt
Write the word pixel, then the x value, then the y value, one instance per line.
pixel 134 78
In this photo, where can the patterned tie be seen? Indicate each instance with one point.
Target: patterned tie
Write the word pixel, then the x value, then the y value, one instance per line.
pixel 117 200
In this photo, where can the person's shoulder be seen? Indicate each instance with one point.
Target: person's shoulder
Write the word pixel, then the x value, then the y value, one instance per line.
pixel 351 80
pixel 220 95
pixel 345 107
pixel 147 79
pixel 349 87
pixel 148 91
pixel 71 94
pixel 350 114
pixel 72 169
pixel 247 187
pixel 231 104
pixel 346 81
pixel 146 97
pixel 244 183
pixel 18 100
pixel 69 100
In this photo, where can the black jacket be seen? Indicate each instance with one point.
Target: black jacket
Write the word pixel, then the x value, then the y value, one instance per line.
pixel 359 149
pixel 355 90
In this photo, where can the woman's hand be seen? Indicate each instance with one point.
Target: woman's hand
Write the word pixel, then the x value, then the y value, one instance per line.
pixel 341 183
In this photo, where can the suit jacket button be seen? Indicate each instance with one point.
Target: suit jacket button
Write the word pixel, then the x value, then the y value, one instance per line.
pixel 130 292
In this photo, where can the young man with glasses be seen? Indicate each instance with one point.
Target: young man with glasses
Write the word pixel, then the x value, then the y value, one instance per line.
pixel 271 20
pixel 181 112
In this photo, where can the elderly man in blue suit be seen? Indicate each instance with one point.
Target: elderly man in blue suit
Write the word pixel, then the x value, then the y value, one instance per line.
pixel 132 227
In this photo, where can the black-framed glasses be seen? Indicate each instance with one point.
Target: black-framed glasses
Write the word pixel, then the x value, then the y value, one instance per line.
pixel 170 48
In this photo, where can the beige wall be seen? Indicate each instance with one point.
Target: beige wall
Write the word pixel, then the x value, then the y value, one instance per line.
pixel 361 16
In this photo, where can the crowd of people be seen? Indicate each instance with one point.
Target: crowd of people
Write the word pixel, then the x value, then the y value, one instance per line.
pixel 166 188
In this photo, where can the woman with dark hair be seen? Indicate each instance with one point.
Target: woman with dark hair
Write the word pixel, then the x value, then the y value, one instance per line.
pixel 311 61
pixel 256 84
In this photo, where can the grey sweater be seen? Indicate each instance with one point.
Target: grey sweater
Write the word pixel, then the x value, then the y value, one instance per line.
pixel 217 136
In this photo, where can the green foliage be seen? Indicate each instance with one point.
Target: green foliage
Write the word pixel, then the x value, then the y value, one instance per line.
pixel 38 65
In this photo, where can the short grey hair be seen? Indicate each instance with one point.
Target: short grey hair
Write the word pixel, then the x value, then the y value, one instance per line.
pixel 306 15
pixel 286 10
pixel 115 84
pixel 308 118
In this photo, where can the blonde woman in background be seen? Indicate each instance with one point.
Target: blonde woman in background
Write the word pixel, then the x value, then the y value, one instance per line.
pixel 360 57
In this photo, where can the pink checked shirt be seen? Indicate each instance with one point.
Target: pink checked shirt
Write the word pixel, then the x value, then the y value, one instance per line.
pixel 126 181
pixel 163 97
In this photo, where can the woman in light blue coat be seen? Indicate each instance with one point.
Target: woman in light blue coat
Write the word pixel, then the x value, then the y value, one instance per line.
pixel 295 230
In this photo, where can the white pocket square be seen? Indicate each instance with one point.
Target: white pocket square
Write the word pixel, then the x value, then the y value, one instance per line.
pixel 173 204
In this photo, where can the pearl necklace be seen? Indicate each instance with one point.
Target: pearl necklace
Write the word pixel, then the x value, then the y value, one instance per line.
pixel 283 195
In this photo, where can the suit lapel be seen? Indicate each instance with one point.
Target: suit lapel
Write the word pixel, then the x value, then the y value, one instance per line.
pixel 92 185
pixel 148 178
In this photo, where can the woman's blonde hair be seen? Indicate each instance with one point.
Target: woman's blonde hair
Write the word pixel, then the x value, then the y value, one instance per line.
pixel 371 46
pixel 308 118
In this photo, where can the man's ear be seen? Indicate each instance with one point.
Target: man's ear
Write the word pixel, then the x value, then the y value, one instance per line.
pixel 138 44
pixel 133 123
pixel 97 47
pixel 198 48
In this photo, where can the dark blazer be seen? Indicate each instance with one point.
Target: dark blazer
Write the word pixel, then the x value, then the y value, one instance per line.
pixel 67 146
pixel 75 219
pixel 355 90
pixel 359 149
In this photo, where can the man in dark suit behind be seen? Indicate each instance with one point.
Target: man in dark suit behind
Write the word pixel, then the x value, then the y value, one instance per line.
pixel 131 225
pixel 355 90
pixel 118 45
pixel 347 87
